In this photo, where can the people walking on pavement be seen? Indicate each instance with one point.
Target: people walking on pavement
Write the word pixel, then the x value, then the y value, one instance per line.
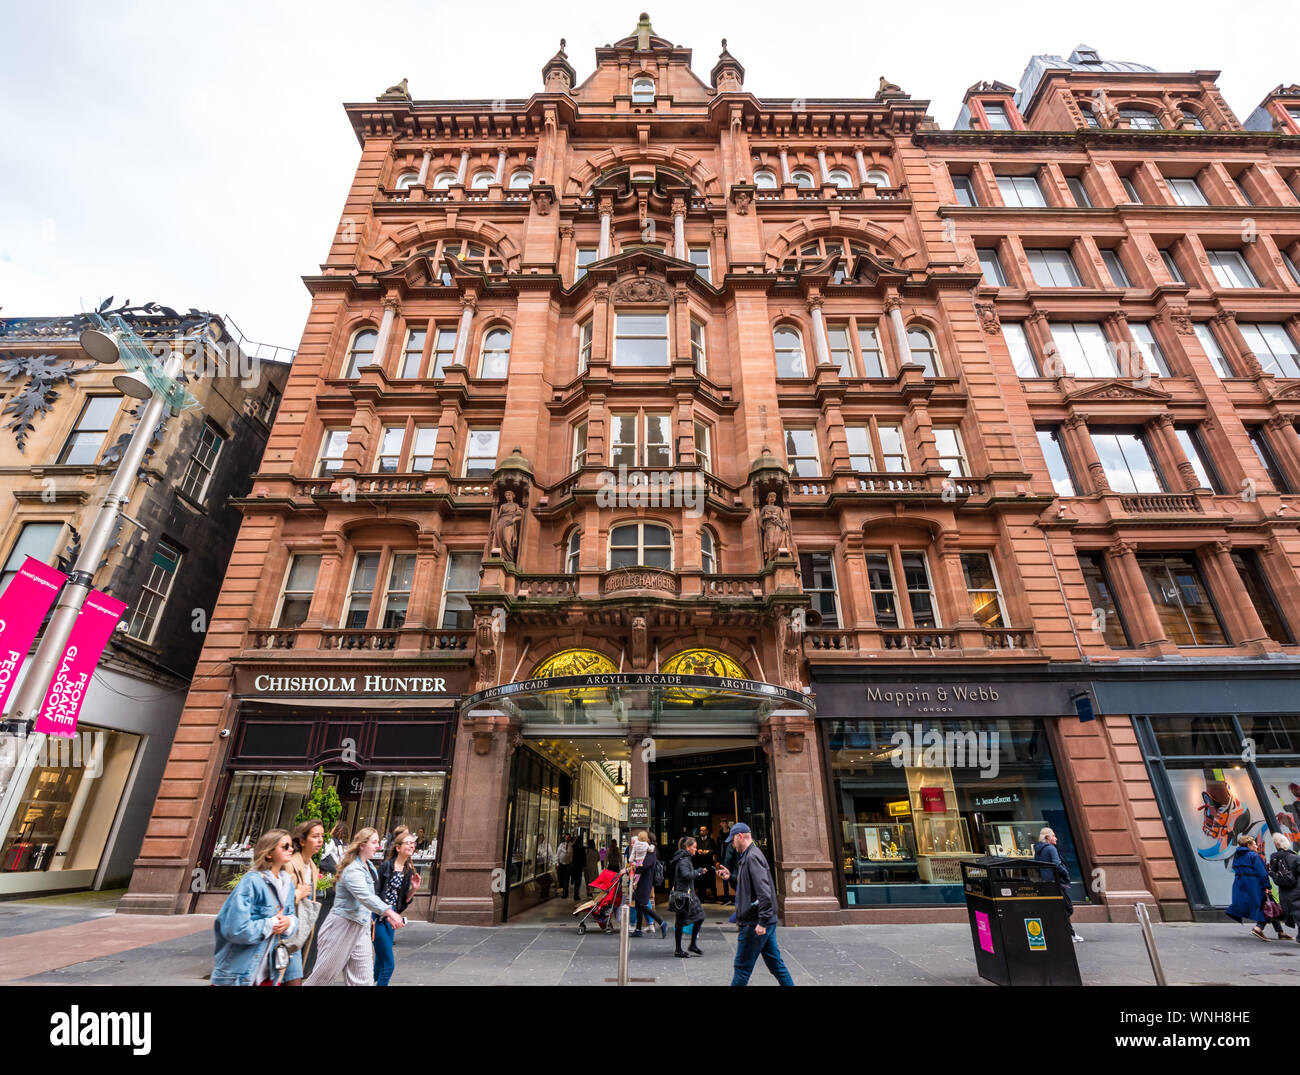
pixel 683 901
pixel 330 857
pixel 308 839
pixel 1284 869
pixel 644 860
pixel 612 859
pixel 563 861
pixel 725 858
pixel 256 916
pixel 396 884
pixel 344 940
pixel 1250 886
pixel 1045 851
pixel 578 869
pixel 755 910
pixel 705 860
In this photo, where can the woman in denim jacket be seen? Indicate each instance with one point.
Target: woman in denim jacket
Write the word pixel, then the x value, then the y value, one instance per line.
pixel 260 909
pixel 344 942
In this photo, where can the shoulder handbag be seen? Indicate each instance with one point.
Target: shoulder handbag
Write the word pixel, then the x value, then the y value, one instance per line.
pixel 1270 909
pixel 307 912
pixel 682 902
pixel 276 954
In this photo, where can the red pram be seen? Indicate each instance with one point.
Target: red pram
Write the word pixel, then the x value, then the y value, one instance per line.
pixel 608 899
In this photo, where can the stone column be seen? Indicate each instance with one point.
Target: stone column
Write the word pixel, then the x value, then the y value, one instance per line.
pixel 1235 606
pixel 1162 425
pixel 501 165
pixel 384 336
pixel 1075 429
pixel 1286 448
pixel 1131 592
pixel 821 347
pixel 606 213
pixel 424 168
pixel 785 163
pixel 895 307
pixel 467 306
pixel 821 164
pixel 1247 363
pixel 862 164
pixel 679 229
pixel 463 167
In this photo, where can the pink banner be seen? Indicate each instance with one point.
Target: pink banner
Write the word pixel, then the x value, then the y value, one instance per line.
pixel 86 644
pixel 23 606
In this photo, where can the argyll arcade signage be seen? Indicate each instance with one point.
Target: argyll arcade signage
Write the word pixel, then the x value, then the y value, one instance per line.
pixel 725 685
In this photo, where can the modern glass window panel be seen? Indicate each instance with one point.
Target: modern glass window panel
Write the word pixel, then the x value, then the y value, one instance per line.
pixel 991 267
pixel 1115 268
pixel 1210 345
pixel 1050 442
pixel 893 448
pixel 1018 347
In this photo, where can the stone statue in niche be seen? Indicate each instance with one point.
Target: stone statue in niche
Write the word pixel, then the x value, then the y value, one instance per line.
pixel 487 636
pixel 506 527
pixel 774 526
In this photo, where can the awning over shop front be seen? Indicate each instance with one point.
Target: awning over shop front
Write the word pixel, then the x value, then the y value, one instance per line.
pixel 610 702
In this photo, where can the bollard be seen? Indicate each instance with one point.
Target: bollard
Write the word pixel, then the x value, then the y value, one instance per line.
pixel 1144 919
pixel 624 941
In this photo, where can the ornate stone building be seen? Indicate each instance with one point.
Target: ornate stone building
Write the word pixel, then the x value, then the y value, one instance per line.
pixel 648 435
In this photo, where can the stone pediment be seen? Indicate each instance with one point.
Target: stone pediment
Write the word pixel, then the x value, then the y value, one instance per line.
pixel 870 269
pixel 630 289
pixel 417 271
pixel 1117 390
pixel 1289 390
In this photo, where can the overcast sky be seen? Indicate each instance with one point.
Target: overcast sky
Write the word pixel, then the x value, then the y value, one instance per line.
pixel 198 155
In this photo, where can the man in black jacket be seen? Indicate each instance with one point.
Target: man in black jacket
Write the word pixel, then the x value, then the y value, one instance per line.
pixel 755 910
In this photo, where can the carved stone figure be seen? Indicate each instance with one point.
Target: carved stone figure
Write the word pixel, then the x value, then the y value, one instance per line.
pixel 488 652
pixel 789 641
pixel 639 642
pixel 775 529
pixel 506 527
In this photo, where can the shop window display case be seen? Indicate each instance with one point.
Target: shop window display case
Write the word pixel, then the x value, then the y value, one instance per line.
pixel 1012 839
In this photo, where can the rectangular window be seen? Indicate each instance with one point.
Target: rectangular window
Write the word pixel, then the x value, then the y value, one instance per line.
pixel 413 352
pixel 162 573
pixel 1145 343
pixel 1084 350
pixel 390 450
pixel 579 456
pixel 920 593
pixel 1081 199
pixel 299 586
pixel 481 448
pixel 462 578
pixel 640 339
pixel 658 441
pixel 397 596
pixel 801 452
pixel 873 364
pixel 703 448
pixel 365 570
pixel 35 540
pixel 1049 440
pixel 698 355
pixel 880 584
pixel 893 450
pixel 86 440
pixel 1022 191
pixel 699 256
pixel 198 473
pixel 997 117
pixel 426 440
pixel 1053 268
pixel 982 589
pixel 841 347
pixel 1186 191
pixel 1127 462
pixel 1022 357
pixel 1259 441
pixel 444 351
pixel 584 345
pixel 1182 602
pixel 1130 190
pixel 860 454
pixel 1230 269
pixel 951 457
pixel 964 190
pixel 1189 440
pixel 991 266
pixel 1291 266
pixel 1210 346
pixel 1261 596
pixel 817 571
pixel 623 440
pixel 1175 272
pixel 332 448
pixel 1105 613
pixel 1115 267
pixel 584 257
pixel 1273 347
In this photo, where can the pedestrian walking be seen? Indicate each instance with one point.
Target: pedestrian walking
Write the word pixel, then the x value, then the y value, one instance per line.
pixel 578 868
pixel 563 862
pixel 755 910
pixel 1250 888
pixel 726 858
pixel 396 885
pixel 331 855
pixel 683 901
pixel 1045 851
pixel 308 839
pixel 595 862
pixel 256 916
pixel 1284 869
pixel 344 940
pixel 612 859
pixel 705 861
pixel 644 860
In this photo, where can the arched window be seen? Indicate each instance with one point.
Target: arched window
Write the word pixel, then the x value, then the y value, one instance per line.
pixel 802 179
pixel 443 180
pixel 407 180
pixel 495 360
pixel 1139 119
pixel 1089 116
pixel 788 344
pixel 640 545
pixel 521 180
pixel 643 91
pixel 708 551
pixel 1191 121
pixel 572 550
pixel 765 180
pixel 471 252
pixel 878 178
pixel 840 178
pixel 923 350
pixel 362 351
pixel 483 179
pixel 815 251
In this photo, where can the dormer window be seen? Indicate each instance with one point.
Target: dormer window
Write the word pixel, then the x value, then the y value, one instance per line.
pixel 643 91
pixel 1191 121
pixel 1089 116
pixel 1139 119
pixel 997 117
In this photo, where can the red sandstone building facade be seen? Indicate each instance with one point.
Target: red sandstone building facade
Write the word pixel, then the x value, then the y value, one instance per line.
pixel 790 460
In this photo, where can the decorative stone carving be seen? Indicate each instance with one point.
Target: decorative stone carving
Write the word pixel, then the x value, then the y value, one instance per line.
pixel 988 316
pixel 889 89
pixel 639 642
pixel 487 658
pixel 543 199
pixel 398 91
pixel 506 524
pixel 640 578
pixel 633 289
pixel 741 198
pixel 789 641
pixel 774 528
pixel 1180 322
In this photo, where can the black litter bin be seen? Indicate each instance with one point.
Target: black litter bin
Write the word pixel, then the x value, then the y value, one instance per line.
pixel 1018 923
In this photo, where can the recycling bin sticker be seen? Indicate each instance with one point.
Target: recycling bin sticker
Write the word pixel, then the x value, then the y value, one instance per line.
pixel 1034 931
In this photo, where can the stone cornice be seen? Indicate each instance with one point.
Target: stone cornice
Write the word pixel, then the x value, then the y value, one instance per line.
pixel 1088 137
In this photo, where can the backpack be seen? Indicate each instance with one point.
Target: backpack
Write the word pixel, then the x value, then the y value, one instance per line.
pixel 1282 872
pixel 659 873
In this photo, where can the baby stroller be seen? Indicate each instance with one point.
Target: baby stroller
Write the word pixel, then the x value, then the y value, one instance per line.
pixel 602 908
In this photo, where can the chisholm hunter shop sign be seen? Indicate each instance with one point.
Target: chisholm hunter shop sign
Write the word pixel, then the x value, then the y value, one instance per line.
pixel 400 684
